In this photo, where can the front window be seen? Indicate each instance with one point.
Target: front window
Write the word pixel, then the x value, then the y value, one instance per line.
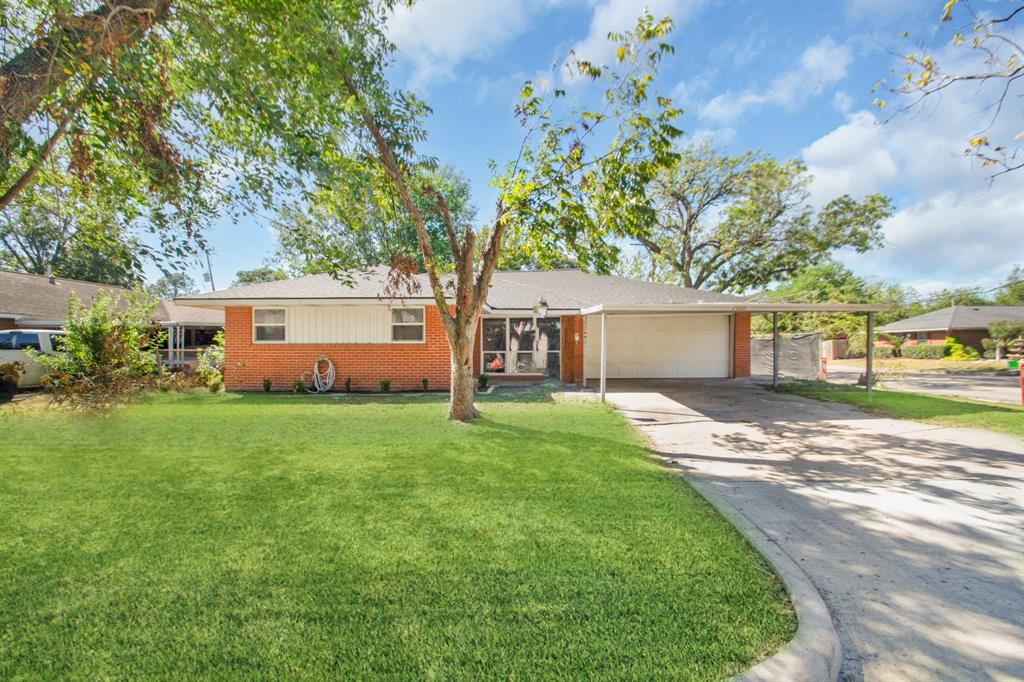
pixel 26 341
pixel 521 345
pixel 6 340
pixel 407 325
pixel 268 325
pixel 922 337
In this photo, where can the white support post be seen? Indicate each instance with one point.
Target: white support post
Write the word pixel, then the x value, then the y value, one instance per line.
pixel 870 348
pixel 604 355
pixel 775 350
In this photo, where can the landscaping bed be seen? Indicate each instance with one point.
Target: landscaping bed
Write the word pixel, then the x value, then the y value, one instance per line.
pixel 927 408
pixel 285 536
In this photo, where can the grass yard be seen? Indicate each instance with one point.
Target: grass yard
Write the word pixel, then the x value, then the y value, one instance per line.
pixel 926 408
pixel 927 365
pixel 281 536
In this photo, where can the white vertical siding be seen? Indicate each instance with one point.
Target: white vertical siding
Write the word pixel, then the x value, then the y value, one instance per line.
pixel 339 324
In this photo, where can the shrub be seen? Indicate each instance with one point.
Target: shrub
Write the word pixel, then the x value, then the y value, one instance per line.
pixel 426 383
pixel 481 381
pixel 267 384
pixel 958 351
pixel 856 346
pixel 884 352
pixel 385 385
pixel 210 361
pixel 215 384
pixel 298 385
pixel 923 352
pixel 10 372
pixel 108 353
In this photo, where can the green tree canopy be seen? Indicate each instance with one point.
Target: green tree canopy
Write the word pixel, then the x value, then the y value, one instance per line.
pixel 350 225
pixel 172 285
pixel 186 107
pixel 832 282
pixel 737 223
pixel 1012 292
pixel 258 276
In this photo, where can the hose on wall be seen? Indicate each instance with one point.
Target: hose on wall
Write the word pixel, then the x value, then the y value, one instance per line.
pixel 322 381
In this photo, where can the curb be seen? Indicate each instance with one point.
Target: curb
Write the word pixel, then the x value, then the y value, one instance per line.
pixel 814 654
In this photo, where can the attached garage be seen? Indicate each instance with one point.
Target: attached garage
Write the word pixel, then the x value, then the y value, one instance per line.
pixel 660 346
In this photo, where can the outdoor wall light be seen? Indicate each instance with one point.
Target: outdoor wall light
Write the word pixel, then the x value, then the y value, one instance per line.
pixel 540 308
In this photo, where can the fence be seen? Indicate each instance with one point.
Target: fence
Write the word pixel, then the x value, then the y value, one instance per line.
pixel 799 356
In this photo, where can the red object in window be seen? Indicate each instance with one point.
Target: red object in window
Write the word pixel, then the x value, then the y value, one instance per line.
pixel 496 363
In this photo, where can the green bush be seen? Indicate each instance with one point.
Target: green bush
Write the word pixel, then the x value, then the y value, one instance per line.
pixel 109 352
pixel 885 352
pixel 267 384
pixel 385 385
pixel 923 352
pixel 210 361
pixel 958 351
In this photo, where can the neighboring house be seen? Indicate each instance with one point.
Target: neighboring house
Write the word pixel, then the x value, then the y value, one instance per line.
pixel 39 302
pixel 534 325
pixel 968 324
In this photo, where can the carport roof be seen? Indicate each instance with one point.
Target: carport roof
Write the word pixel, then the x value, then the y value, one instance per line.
pixel 741 306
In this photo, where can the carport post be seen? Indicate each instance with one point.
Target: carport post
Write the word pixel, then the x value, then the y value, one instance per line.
pixel 604 356
pixel 869 346
pixel 775 350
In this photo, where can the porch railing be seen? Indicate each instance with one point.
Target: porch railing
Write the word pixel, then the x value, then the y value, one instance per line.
pixel 179 357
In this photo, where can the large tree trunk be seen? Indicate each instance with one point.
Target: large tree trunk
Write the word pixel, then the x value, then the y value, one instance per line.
pixel 463 385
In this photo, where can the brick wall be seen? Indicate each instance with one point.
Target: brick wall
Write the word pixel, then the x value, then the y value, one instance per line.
pixel 572 349
pixel 405 364
pixel 741 345
pixel 7 323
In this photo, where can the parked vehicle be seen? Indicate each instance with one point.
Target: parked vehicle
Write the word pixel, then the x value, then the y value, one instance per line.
pixel 15 342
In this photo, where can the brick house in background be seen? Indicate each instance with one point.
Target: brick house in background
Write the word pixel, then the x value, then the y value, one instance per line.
pixel 534 325
pixel 968 324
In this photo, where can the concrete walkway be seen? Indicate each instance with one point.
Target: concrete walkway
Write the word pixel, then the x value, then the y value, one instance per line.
pixel 995 388
pixel 913 534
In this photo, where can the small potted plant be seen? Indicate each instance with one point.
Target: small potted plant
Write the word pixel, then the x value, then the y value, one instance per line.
pixel 348 384
pixel 426 383
pixel 481 381
pixel 385 385
pixel 267 384
pixel 298 385
pixel 10 372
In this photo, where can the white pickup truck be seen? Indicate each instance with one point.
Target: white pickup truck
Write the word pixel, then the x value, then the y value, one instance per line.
pixel 13 344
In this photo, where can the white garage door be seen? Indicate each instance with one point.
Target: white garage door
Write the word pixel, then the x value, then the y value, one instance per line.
pixel 659 346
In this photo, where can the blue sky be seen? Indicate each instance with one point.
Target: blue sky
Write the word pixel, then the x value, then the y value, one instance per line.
pixel 792 79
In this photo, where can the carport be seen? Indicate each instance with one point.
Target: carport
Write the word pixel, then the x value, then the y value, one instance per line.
pixel 696 324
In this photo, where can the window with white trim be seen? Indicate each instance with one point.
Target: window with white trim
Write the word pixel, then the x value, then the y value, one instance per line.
pixel 407 325
pixel 268 325
pixel 521 345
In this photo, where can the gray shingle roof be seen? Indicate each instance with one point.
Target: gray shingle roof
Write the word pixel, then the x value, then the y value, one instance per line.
pixel 562 289
pixel 957 317
pixel 38 297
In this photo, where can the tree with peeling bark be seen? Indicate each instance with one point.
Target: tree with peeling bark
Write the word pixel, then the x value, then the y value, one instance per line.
pixel 739 223
pixel 581 177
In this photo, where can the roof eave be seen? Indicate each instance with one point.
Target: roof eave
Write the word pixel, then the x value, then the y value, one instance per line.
pixel 757 307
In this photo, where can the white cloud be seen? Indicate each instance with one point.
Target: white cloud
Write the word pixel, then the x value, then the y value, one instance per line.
pixel 717 136
pixel 621 15
pixel 437 35
pixel 953 225
pixel 821 65
pixel 842 101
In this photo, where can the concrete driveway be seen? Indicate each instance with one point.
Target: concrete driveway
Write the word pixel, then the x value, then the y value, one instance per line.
pixel 913 534
pixel 996 388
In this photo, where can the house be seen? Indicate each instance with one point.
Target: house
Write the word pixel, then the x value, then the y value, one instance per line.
pixel 534 325
pixel 968 324
pixel 30 301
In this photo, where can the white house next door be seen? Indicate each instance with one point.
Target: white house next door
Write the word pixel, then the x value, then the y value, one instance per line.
pixel 659 346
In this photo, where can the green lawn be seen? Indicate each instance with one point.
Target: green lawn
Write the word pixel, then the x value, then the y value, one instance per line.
pixel 280 536
pixel 926 408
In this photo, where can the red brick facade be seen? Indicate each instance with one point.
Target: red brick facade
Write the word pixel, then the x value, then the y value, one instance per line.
pixel 741 345
pixel 405 364
pixel 246 363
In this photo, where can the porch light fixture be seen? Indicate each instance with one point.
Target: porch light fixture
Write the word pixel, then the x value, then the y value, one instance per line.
pixel 540 308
